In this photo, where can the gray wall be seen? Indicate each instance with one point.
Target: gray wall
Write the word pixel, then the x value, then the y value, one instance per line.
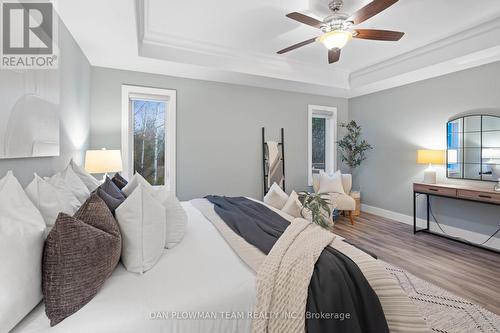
pixel 73 85
pixel 401 120
pixel 218 129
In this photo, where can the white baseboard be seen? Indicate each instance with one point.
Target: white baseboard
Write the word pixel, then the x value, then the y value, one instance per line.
pixel 389 214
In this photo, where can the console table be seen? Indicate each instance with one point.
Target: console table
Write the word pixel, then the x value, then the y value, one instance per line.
pixel 451 191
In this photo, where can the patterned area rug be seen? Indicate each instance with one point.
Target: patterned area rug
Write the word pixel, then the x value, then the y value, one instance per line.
pixel 444 311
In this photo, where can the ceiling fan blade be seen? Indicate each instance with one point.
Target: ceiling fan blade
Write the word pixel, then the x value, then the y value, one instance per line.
pixel 333 55
pixel 296 46
pixel 373 34
pixel 305 19
pixel 370 10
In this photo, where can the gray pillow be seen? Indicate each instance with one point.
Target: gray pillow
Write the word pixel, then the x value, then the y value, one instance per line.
pixel 111 202
pixel 110 188
pixel 80 253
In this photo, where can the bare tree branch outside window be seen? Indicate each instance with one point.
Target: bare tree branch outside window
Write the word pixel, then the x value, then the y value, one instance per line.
pixel 149 140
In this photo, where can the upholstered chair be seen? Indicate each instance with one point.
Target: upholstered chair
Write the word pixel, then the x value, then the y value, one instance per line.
pixel 342 202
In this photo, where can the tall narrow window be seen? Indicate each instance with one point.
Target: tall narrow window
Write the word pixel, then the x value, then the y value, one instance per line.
pixel 322 124
pixel 318 144
pixel 149 139
pixel 148 135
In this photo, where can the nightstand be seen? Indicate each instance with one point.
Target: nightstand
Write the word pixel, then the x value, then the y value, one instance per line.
pixel 356 195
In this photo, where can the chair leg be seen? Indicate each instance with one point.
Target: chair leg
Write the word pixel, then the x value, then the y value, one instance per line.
pixel 351 217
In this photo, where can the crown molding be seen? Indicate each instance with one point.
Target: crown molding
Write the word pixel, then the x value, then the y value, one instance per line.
pixel 161 45
pixel 473 47
pixel 470 48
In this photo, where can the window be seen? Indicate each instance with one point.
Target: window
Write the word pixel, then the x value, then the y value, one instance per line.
pixel 322 137
pixel 148 134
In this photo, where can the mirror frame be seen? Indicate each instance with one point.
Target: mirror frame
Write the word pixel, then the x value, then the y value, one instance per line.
pixel 463 116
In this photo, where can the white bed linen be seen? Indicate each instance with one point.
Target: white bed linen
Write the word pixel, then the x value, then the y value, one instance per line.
pixel 202 273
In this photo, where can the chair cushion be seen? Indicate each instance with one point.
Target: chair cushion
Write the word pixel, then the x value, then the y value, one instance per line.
pixel 342 201
pixel 330 184
pixel 346 182
pixel 80 254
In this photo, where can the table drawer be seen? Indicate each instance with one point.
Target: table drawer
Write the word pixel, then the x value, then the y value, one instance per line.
pixel 479 196
pixel 449 192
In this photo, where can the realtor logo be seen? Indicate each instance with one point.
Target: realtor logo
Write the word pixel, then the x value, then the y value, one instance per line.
pixel 28 35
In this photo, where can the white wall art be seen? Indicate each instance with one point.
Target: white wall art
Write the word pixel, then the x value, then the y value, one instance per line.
pixel 29 113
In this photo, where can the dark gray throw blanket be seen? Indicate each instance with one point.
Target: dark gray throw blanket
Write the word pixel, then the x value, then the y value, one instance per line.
pixel 337 285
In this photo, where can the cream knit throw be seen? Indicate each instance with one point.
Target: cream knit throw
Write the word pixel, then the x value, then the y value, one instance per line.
pixel 284 276
pixel 401 314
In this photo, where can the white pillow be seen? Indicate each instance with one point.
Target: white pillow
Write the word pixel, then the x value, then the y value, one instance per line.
pixel 142 225
pixel 135 181
pixel 276 197
pixel 64 190
pixel 50 200
pixel 330 184
pixel 67 180
pixel 85 177
pixel 176 217
pixel 293 207
pixel 22 231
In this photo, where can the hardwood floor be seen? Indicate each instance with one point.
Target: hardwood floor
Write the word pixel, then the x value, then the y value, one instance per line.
pixel 469 272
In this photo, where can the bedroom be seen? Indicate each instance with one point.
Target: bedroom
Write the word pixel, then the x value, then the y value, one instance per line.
pixel 225 104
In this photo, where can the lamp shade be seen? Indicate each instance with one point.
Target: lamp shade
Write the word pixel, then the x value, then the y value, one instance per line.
pixel 427 156
pixel 103 161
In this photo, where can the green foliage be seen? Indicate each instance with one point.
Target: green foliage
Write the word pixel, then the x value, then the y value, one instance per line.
pixel 352 147
pixel 318 205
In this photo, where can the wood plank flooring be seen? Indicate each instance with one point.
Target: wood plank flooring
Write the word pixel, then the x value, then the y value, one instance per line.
pixel 469 272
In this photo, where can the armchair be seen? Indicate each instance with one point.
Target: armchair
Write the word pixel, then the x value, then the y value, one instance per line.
pixel 343 202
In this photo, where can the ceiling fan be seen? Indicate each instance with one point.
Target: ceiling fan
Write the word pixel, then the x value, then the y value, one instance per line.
pixel 338 28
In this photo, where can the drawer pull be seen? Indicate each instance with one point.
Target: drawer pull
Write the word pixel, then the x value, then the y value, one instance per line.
pixel 484 196
pixel 433 189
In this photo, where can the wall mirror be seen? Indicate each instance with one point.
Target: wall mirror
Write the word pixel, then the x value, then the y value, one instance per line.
pixel 473 147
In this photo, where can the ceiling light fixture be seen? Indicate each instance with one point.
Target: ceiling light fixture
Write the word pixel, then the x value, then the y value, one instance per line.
pixel 339 28
pixel 335 39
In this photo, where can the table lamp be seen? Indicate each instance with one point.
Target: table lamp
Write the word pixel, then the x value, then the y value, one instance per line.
pixel 427 156
pixel 103 161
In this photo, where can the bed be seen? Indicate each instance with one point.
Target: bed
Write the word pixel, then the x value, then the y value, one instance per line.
pixel 203 284
pixel 187 279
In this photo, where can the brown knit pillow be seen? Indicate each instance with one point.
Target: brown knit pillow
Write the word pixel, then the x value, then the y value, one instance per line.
pixel 80 253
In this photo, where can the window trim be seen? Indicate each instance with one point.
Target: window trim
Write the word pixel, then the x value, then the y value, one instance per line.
pixel 329 113
pixel 168 95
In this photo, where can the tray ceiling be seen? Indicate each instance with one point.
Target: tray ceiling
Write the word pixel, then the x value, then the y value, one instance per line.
pixel 236 41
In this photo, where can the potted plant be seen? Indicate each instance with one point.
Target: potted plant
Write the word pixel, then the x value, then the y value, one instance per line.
pixel 318 205
pixel 352 148
pixel 353 151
